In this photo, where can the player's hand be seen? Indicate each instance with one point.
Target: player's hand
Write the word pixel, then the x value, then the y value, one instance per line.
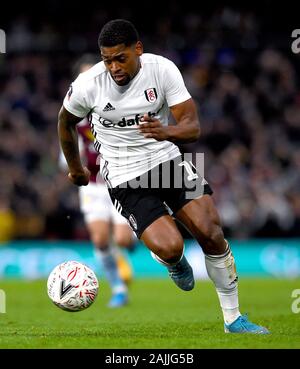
pixel 80 178
pixel 152 128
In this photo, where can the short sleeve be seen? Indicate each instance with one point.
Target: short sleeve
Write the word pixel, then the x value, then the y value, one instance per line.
pixel 174 87
pixel 75 100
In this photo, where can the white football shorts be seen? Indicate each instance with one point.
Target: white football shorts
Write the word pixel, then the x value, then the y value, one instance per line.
pixel 95 204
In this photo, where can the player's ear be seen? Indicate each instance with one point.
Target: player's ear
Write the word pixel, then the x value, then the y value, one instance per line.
pixel 139 48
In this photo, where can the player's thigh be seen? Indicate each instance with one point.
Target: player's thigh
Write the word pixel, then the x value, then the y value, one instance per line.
pixel 99 231
pixel 163 238
pixel 201 217
pixel 200 211
pixel 122 233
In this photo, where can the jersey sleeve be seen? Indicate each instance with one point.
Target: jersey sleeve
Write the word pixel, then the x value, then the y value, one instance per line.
pixel 174 87
pixel 75 100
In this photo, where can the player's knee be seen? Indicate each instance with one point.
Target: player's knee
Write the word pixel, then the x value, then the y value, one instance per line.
pixel 124 241
pixel 100 241
pixel 171 251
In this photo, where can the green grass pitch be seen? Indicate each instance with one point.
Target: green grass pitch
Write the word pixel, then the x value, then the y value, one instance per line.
pixel 159 316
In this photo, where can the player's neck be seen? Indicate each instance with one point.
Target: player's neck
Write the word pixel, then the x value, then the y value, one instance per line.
pixel 138 69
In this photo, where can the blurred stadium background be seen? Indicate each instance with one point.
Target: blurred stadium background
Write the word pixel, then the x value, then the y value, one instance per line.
pixel 238 65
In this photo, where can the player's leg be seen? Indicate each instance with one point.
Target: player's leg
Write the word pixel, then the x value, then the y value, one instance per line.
pixel 122 234
pixel 149 219
pixel 96 211
pixel 164 240
pixel 125 240
pixel 108 257
pixel 200 216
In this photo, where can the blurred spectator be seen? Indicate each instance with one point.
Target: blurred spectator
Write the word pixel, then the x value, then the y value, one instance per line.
pixel 7 220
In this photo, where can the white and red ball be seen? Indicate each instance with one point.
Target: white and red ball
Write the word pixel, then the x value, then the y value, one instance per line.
pixel 72 286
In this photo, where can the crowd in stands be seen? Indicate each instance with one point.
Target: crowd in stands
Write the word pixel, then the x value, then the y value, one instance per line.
pixel 247 90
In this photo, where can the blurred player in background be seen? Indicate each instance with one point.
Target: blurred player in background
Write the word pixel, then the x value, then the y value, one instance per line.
pixel 128 97
pixel 101 218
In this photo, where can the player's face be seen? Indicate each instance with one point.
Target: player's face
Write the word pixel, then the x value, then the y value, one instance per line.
pixel 122 62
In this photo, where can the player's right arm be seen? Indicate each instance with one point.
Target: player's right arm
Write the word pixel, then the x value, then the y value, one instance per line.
pixel 67 133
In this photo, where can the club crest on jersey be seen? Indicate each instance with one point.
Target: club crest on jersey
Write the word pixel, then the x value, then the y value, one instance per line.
pixel 151 94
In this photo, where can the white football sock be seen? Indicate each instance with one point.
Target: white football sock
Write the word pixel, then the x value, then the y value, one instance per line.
pixel 221 270
pixel 162 262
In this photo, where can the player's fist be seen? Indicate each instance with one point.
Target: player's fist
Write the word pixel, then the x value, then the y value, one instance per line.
pixel 81 178
pixel 151 127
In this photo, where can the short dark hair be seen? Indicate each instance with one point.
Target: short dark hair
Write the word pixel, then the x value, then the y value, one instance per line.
pixel 116 32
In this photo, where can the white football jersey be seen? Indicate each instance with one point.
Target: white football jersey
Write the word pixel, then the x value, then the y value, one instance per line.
pixel 115 112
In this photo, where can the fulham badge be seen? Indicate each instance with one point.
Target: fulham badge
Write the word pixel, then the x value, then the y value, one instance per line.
pixel 151 94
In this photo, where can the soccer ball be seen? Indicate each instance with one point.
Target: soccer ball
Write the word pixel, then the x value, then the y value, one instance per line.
pixel 72 286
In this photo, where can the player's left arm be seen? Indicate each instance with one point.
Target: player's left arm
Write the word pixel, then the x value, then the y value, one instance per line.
pixel 187 128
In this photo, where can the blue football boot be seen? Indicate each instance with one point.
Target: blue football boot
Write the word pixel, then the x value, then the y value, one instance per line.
pixel 118 300
pixel 182 274
pixel 243 325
